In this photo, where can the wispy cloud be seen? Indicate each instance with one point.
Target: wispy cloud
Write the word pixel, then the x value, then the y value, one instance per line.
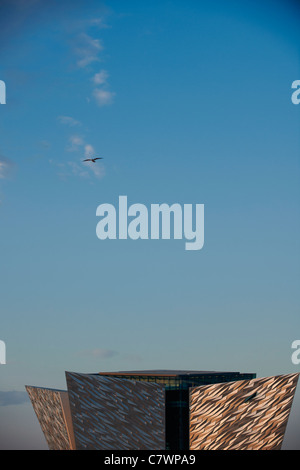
pixel 101 94
pixel 97 168
pixel 69 169
pixel 69 121
pixel 105 353
pixel 6 167
pixel 45 144
pixel 103 97
pixel 75 143
pixel 99 22
pixel 13 397
pixel 100 78
pixel 101 353
pixel 89 150
pixel 87 49
pixel 79 168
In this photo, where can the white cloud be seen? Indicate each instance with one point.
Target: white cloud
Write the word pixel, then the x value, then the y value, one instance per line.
pixel 103 97
pixel 80 168
pixel 101 353
pixel 68 120
pixel 69 169
pixel 2 169
pixel 101 77
pixel 89 23
pixel 5 167
pixel 99 22
pixel 89 150
pixel 45 144
pixel 87 49
pixel 77 170
pixel 76 142
pixel 96 168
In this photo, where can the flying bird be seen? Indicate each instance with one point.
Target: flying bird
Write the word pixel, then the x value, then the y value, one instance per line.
pixel 92 159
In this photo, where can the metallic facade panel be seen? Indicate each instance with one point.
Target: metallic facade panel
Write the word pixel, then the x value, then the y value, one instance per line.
pixel 52 410
pixel 116 414
pixel 242 415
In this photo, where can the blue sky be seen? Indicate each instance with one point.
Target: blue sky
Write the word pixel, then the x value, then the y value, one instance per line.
pixel 187 102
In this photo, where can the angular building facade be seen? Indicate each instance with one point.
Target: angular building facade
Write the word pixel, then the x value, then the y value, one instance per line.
pixel 246 415
pixel 165 410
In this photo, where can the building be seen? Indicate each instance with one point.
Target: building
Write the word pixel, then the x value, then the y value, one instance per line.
pixel 177 384
pixel 165 410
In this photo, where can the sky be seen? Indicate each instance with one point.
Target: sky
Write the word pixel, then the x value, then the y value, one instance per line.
pixel 189 103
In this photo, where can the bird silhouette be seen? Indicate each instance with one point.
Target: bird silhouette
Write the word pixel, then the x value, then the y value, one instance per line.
pixel 92 159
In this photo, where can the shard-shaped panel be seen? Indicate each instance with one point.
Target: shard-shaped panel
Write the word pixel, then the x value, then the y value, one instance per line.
pixel 52 410
pixel 116 414
pixel 243 415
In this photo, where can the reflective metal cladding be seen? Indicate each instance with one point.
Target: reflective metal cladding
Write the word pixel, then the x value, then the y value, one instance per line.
pixel 139 410
pixel 52 410
pixel 243 415
pixel 110 413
